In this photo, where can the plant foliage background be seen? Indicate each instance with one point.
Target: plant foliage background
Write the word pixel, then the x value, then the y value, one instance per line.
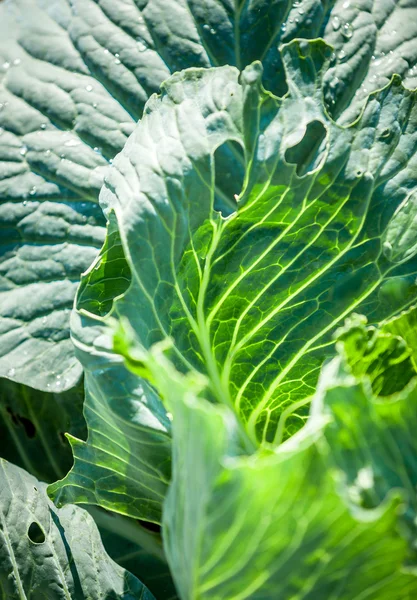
pixel 197 201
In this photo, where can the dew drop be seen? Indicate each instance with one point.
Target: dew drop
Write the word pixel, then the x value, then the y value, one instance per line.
pixel 141 46
pixel 43 126
pixel 17 61
pixel 97 150
pixel 301 11
pixel 43 320
pixel 72 143
pixel 117 61
pixel 297 3
pixel 336 23
pixel 106 51
pixel 347 31
pixel 23 150
pixel 283 27
pixel 394 32
pixel 89 88
pixel 95 105
pixel 6 65
pixel 342 54
pixel 212 31
pixel 206 26
pixel 63 156
pixel 346 4
pixel 47 152
pixel 11 372
pixel 33 190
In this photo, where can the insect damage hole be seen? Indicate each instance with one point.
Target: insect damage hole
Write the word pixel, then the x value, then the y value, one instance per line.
pixel 36 533
pixel 308 153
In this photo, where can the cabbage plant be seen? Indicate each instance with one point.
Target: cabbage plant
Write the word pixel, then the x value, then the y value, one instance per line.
pixel 198 201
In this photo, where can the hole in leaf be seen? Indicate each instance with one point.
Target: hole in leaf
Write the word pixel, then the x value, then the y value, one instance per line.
pixel 36 533
pixel 229 164
pixel 29 427
pixel 150 526
pixel 27 424
pixel 12 416
pixel 308 153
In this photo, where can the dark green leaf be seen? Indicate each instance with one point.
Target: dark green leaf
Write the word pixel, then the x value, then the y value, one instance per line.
pixel 53 554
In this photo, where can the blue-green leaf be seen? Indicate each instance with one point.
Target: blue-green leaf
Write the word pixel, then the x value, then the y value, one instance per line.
pixel 48 553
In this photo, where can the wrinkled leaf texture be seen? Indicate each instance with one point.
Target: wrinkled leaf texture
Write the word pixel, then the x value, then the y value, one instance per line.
pixel 53 554
pixel 321 229
pixel 330 513
pixel 74 77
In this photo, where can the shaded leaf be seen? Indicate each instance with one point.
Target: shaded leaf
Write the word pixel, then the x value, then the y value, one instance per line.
pixel 49 553
pixel 33 426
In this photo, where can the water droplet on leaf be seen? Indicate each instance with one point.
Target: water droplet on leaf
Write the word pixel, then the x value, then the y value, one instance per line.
pixel 347 31
pixel 72 143
pixel 336 23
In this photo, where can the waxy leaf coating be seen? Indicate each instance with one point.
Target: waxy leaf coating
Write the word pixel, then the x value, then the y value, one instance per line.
pixel 53 554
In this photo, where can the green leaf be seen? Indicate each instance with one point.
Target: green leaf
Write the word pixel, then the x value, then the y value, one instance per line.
pixel 252 299
pixel 125 464
pixel 405 327
pixel 295 521
pixel 33 426
pixel 49 553
pixel 74 79
pixel 136 549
